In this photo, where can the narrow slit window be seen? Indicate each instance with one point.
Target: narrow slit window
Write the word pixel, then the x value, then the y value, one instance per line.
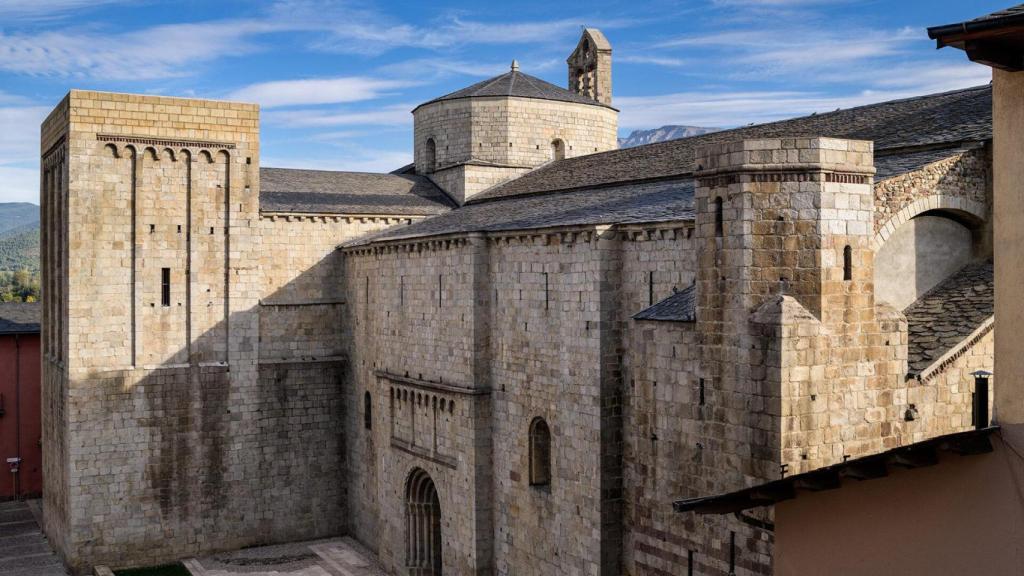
pixel 719 223
pixel 431 159
pixel 847 263
pixel 165 286
pixel 367 411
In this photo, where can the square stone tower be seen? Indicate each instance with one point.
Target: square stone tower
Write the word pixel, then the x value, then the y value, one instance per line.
pixel 786 314
pixel 150 330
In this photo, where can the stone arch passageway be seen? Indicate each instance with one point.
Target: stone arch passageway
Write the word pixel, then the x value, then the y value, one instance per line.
pixel 423 525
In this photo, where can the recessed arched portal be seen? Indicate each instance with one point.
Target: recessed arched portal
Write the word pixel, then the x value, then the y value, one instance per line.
pixel 423 525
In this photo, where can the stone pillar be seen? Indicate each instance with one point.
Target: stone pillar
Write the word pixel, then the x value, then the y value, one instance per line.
pixel 1008 142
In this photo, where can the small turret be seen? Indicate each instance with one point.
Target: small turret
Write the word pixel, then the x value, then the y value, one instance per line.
pixel 590 67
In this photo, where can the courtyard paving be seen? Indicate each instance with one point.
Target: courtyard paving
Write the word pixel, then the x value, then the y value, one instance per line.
pixel 335 557
pixel 24 551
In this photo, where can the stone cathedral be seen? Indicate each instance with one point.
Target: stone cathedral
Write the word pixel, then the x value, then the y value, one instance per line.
pixel 511 356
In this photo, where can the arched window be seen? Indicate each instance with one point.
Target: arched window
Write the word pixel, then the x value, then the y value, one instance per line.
pixel 557 149
pixel 719 222
pixel 367 411
pixel 431 160
pixel 847 263
pixel 540 453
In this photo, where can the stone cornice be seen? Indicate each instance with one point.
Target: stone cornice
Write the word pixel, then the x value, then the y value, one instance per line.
pixel 164 142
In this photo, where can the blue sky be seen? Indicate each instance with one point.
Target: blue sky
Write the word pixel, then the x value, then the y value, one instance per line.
pixel 337 79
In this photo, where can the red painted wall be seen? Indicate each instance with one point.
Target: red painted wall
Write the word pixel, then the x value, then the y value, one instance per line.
pixel 20 423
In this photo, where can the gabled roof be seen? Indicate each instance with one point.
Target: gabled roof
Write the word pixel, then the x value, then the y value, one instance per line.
pixel 19 317
pixel 948 314
pixel 325 192
pixel 938 120
pixel 679 307
pixel 519 85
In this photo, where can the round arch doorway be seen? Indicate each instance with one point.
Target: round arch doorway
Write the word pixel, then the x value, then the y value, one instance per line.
pixel 423 525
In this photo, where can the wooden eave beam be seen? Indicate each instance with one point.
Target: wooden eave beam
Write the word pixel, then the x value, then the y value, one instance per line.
pixel 916 457
pixel 866 469
pixel 818 481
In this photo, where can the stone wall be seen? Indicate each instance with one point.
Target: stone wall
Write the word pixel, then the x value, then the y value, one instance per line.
pixel 965 176
pixel 556 354
pixel 942 399
pixel 302 299
pixel 417 328
pixel 673 433
pixel 674 451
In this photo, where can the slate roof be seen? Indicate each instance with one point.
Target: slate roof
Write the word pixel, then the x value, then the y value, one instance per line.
pixel 632 203
pixel 517 84
pixel 949 118
pixel 947 314
pixel 320 191
pixel 1017 10
pixel 19 317
pixel 679 307
pixel 897 164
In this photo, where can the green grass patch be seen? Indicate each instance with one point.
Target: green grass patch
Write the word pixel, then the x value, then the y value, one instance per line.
pixel 167 570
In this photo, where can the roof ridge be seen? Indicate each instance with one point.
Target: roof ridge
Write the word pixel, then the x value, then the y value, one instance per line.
pixel 668 146
pixel 339 171
pixel 487 84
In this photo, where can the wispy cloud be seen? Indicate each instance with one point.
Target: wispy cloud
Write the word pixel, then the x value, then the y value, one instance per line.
pixel 40 10
pixel 19 150
pixel 653 60
pixel 313 91
pixel 798 48
pixel 157 52
pixel 347 28
pixel 19 133
pixel 775 3
pixel 437 68
pixel 356 159
pixel 735 108
pixel 19 184
pixel 393 115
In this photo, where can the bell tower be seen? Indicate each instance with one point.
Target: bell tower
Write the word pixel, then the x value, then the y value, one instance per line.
pixel 590 67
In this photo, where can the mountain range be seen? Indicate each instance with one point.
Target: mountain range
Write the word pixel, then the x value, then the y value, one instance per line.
pixel 670 132
pixel 19 236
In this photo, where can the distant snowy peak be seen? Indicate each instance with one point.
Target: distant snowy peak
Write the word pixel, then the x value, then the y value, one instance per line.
pixel 641 137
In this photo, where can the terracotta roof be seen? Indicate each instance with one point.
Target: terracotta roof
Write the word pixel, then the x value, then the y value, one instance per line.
pixel 19 317
pixel 319 191
pixel 517 84
pixel 679 307
pixel 947 314
pixel 631 203
pixel 945 119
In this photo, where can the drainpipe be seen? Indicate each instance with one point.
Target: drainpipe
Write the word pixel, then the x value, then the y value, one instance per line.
pixel 16 466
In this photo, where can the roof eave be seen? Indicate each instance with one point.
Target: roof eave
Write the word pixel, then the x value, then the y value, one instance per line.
pixel 918 454
pixel 995 42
